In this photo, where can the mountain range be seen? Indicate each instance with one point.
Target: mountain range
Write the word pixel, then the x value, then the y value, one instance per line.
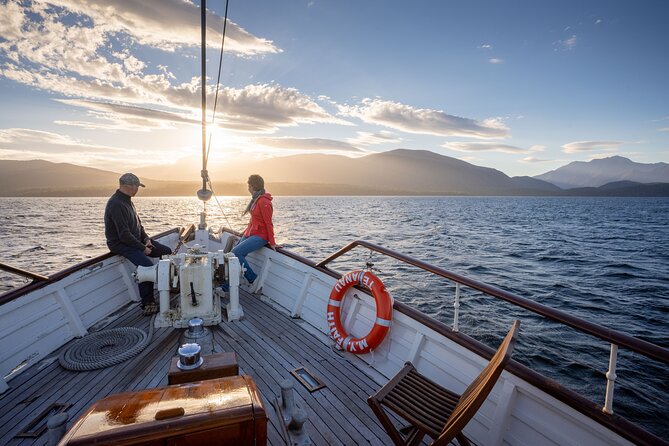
pixel 397 172
pixel 599 172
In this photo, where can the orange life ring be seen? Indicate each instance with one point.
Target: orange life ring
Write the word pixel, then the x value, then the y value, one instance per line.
pixel 384 312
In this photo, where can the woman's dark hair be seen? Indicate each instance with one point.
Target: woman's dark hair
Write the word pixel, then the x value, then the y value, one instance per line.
pixel 256 182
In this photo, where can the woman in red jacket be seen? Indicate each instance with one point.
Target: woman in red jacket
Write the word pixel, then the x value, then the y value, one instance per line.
pixel 260 230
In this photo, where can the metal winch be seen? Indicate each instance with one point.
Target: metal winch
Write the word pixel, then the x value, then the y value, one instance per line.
pixel 194 272
pixel 197 333
pixel 190 357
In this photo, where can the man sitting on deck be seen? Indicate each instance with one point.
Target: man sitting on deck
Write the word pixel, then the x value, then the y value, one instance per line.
pixel 126 236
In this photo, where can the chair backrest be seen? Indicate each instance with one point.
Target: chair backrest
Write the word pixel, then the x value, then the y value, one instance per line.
pixel 477 392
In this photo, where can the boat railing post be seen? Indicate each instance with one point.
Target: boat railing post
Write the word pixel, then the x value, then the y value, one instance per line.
pixel 260 280
pixel 456 306
pixel 71 314
pixel 234 309
pixel 296 312
pixel 611 379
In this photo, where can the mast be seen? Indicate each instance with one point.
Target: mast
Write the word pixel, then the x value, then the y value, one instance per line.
pixel 204 194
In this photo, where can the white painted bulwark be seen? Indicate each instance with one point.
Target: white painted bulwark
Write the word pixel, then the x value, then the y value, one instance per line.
pixel 516 413
pixel 36 324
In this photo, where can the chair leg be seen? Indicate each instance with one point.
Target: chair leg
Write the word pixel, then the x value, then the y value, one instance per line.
pixel 462 440
pixel 386 423
pixel 415 437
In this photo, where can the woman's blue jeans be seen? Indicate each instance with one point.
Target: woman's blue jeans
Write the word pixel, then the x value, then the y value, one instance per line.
pixel 246 246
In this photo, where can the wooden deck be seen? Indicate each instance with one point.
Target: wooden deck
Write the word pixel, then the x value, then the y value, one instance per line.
pixel 269 344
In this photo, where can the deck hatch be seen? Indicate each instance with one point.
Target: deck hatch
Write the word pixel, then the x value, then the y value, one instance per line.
pixel 38 425
pixel 310 381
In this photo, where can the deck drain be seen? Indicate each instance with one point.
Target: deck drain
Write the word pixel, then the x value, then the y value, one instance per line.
pixel 310 381
pixel 38 425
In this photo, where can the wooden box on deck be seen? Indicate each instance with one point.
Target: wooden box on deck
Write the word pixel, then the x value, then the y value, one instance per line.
pixel 217 365
pixel 222 411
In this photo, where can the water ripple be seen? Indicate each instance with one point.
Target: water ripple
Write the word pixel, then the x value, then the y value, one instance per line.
pixel 605 260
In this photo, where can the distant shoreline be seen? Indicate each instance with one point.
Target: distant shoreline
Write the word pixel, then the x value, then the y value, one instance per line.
pixel 389 195
pixel 160 189
pixel 399 172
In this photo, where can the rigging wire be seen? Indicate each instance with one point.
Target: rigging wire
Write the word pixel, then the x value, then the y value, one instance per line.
pixel 220 65
pixel 213 116
pixel 219 205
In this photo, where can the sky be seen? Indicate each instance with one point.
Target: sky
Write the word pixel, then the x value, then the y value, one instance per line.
pixel 524 87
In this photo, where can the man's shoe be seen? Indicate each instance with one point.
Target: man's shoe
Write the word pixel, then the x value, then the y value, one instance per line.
pixel 149 308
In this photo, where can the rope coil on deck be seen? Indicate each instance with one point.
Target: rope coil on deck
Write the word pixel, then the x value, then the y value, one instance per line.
pixel 105 348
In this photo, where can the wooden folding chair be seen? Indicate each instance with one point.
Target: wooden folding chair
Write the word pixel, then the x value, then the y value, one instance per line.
pixel 432 410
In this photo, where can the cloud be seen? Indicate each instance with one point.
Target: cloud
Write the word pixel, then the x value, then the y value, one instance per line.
pixel 587 146
pixel 382 137
pixel 27 144
pixel 28 140
pixel 164 24
pixel 484 147
pixel 130 62
pixel 570 42
pixel 267 107
pixel 485 46
pixel 65 47
pixel 567 44
pixel 309 144
pixel 665 129
pixel 422 121
pixel 495 61
pixel 127 117
pixel 11 21
pixel 532 159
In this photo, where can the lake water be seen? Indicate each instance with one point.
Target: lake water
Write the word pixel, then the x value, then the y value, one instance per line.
pixel 605 260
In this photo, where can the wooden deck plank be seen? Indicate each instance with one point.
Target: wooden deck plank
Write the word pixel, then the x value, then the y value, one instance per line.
pixel 319 411
pixel 37 371
pixel 58 385
pixel 82 389
pixel 268 344
pixel 268 381
pixel 316 347
pixel 274 437
pixel 332 368
pixel 330 403
pixel 267 386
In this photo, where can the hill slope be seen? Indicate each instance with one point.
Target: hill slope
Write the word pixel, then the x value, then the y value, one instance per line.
pixel 598 172
pixel 398 172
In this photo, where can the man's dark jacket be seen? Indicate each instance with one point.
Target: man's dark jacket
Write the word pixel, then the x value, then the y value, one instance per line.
pixel 122 224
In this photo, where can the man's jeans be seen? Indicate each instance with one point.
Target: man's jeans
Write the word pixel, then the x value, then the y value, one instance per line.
pixel 246 246
pixel 138 258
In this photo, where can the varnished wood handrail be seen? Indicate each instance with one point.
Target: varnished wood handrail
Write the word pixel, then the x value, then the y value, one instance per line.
pixel 615 337
pixel 22 272
pixel 18 292
pixel 616 423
